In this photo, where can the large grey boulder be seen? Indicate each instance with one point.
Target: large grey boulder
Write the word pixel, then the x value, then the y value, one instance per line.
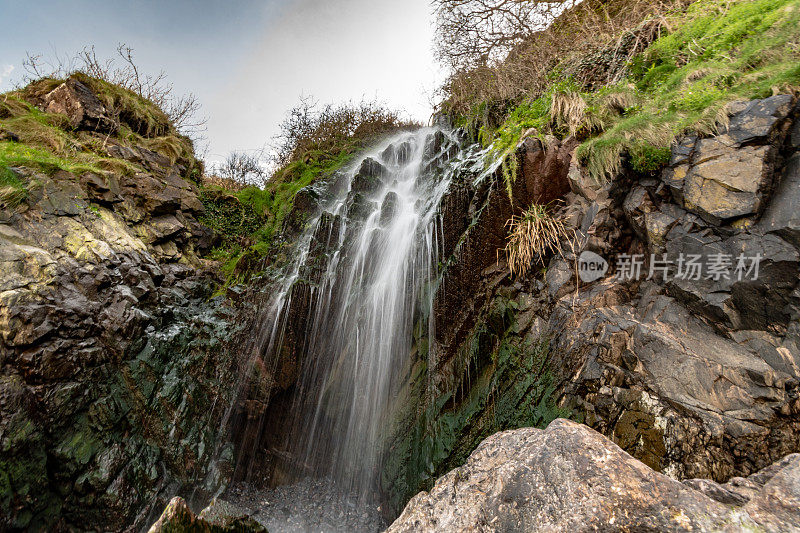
pixel 570 478
pixel 731 175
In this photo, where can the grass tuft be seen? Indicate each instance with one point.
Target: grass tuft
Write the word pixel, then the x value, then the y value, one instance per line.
pixel 13 191
pixel 531 236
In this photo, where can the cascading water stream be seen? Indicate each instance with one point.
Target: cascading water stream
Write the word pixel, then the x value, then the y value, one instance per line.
pixel 365 308
pixel 363 274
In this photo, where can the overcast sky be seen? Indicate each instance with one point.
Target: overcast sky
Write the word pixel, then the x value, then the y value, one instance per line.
pixel 248 61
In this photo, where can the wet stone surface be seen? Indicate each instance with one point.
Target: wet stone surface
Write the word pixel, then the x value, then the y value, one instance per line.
pixel 310 505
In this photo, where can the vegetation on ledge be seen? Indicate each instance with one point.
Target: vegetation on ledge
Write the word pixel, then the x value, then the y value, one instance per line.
pixel 700 59
pixel 313 143
pixel 48 142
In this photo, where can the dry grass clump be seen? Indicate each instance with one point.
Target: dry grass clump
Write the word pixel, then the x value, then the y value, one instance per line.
pixel 568 111
pixel 531 236
pixel 216 181
pixel 12 197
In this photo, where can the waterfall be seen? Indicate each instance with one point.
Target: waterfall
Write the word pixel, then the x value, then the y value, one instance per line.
pixel 362 275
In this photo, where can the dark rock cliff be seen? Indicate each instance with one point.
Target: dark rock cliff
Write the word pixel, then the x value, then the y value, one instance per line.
pixel 695 377
pixel 111 348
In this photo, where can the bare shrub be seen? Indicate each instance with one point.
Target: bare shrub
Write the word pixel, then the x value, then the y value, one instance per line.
pixel 561 33
pixel 240 168
pixel 183 110
pixel 474 33
pixel 330 129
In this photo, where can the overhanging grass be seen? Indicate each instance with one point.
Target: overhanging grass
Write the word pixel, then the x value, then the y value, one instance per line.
pixel 33 126
pixel 562 110
pixel 718 51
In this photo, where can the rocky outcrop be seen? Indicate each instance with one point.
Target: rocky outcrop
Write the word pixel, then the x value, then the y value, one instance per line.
pixel 83 109
pixel 111 361
pixel 694 375
pixel 570 478
pixel 216 518
pixel 729 176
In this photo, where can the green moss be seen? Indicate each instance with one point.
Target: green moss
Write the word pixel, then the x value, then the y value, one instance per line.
pixel 228 215
pixel 647 159
pixel 14 154
pixel 251 219
pixel 501 381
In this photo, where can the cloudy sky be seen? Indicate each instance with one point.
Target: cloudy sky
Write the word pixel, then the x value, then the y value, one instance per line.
pixel 248 61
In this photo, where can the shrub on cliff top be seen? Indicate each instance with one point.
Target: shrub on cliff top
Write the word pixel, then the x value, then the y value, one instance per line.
pixel 311 132
pixel 532 48
pixel 145 101
pixel 707 56
pixel 47 142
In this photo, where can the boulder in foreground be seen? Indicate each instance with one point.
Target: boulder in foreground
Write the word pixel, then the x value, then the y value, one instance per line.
pixel 570 478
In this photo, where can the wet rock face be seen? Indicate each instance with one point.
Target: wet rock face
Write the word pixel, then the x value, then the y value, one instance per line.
pixel 111 362
pixel 484 371
pixel 368 179
pixel 695 376
pixel 570 478
pixel 388 208
pixel 544 168
pixel 306 205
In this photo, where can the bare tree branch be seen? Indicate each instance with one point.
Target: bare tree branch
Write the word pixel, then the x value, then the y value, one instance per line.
pixel 475 33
